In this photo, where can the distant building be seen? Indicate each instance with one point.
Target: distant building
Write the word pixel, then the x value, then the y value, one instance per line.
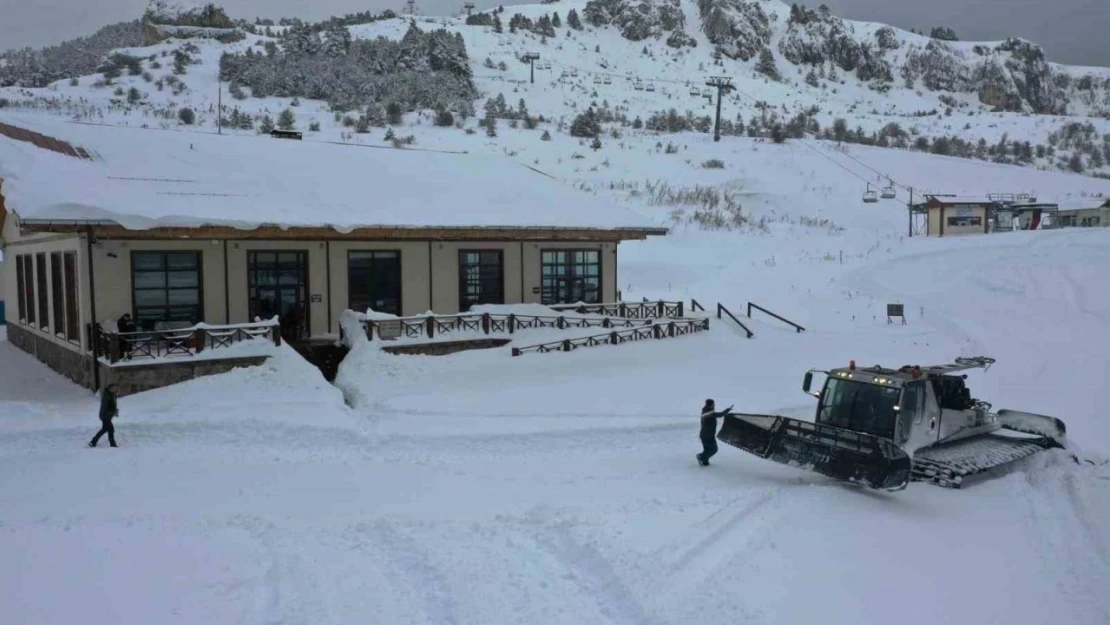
pixel 1085 214
pixel 177 229
pixel 957 215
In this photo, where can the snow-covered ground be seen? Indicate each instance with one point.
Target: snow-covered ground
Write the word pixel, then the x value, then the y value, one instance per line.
pixel 562 488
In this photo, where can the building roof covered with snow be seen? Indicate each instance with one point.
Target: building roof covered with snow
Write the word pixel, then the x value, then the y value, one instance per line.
pixel 143 179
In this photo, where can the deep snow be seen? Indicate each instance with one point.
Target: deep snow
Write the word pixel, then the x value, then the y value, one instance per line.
pixel 562 488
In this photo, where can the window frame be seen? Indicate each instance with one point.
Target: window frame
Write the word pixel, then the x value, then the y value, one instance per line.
pixel 43 292
pixel 57 294
pixel 965 221
pixel 21 289
pixel 464 280
pixel 29 289
pixel 400 277
pixel 167 288
pixel 72 296
pixel 545 300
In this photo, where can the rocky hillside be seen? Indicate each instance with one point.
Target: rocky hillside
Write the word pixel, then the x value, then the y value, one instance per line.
pixel 1013 75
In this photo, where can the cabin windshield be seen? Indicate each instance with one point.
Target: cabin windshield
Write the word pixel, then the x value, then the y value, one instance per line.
pixel 859 406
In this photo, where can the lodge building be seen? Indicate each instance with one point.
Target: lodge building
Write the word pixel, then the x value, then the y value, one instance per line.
pixel 179 228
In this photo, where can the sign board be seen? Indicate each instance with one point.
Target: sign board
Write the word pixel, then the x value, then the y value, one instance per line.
pixel 895 310
pixel 535 290
pixel 963 211
pixel 388 329
pixel 317 298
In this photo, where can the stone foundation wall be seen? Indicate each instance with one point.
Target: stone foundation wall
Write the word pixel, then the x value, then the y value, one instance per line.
pixel 448 347
pixel 138 378
pixel 71 363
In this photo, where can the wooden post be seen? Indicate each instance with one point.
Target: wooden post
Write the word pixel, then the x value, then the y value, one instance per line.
pixel 566 344
pixel 680 305
pixel 670 329
pixel 614 338
pixel 275 333
pixel 430 326
pixel 605 323
pixel 662 311
pixel 512 323
pixel 623 310
pixel 485 323
pixel 369 325
pixel 201 338
pixel 561 323
pixel 516 351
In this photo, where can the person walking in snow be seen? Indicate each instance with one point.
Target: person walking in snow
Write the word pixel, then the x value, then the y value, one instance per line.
pixel 108 411
pixel 709 431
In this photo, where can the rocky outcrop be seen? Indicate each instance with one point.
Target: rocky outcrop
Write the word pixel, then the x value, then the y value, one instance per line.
pixel 641 19
pixel 817 37
pixel 164 19
pixel 738 29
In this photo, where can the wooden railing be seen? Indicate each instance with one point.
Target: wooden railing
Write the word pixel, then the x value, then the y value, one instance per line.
pixel 666 329
pixel 629 310
pixel 695 306
pixel 117 346
pixel 721 309
pixel 751 305
pixel 491 323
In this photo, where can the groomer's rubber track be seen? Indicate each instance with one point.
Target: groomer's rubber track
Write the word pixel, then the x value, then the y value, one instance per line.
pixel 949 464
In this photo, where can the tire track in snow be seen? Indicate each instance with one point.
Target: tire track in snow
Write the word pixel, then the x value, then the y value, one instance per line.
pixel 591 572
pixel 704 541
pixel 413 565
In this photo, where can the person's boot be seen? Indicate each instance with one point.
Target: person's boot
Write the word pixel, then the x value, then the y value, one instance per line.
pixel 92 444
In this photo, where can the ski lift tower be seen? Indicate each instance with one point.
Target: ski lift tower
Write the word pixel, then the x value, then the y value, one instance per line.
pixel 723 85
pixel 468 7
pixel 410 7
pixel 530 58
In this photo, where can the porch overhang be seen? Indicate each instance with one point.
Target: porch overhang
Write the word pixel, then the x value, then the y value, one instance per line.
pixel 107 229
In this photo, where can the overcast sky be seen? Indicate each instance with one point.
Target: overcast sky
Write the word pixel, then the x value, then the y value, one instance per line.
pixel 1071 31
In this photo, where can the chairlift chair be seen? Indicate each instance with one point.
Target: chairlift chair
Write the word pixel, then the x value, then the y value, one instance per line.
pixel 638 86
pixel 694 91
pixel 597 80
pixel 870 196
pixel 574 72
pixel 607 80
pixel 651 86
pixel 888 193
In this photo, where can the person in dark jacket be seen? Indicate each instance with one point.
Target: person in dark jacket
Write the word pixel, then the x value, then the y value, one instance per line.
pixel 709 431
pixel 108 411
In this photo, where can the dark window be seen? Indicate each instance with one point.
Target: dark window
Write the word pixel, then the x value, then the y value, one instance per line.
pixel 166 287
pixel 965 221
pixel 29 287
pixel 480 278
pixel 44 295
pixel 859 406
pixel 570 276
pixel 21 288
pixel 72 325
pixel 58 299
pixel 374 281
pixel 278 285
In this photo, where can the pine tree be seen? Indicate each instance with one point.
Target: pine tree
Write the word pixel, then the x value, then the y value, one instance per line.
pixel 811 79
pixel 187 116
pixel 497 28
pixel 491 125
pixel 546 136
pixel 766 65
pixel 337 39
pixel 394 113
pixel 595 145
pixel 286 120
pixel 586 125
pixel 573 20
pixel 266 126
pixel 133 95
pixel 555 21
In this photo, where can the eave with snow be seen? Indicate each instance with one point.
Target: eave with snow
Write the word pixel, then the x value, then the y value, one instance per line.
pixel 178 228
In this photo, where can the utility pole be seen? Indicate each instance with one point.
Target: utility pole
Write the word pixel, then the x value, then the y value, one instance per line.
pixel 723 85
pixel 469 6
pixel 911 212
pixel 219 107
pixel 530 58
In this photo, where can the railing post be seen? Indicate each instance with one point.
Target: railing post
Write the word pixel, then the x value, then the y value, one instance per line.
pixel 561 323
pixel 605 323
pixel 622 309
pixel 749 310
pixel 485 322
pixel 670 329
pixel 614 338
pixel 369 326
pixel 113 348
pixel 512 323
pixel 275 334
pixel 516 351
pixel 680 309
pixel 430 326
pixel 718 310
pixel 566 345
pixel 662 311
pixel 201 338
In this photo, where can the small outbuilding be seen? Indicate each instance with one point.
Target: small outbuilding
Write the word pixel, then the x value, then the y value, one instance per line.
pixel 956 215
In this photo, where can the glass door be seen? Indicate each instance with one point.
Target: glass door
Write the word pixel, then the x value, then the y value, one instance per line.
pixel 278 286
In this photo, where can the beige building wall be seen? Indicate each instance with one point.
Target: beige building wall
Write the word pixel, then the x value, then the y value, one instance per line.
pixel 935 222
pixel 17 245
pixel 429 274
